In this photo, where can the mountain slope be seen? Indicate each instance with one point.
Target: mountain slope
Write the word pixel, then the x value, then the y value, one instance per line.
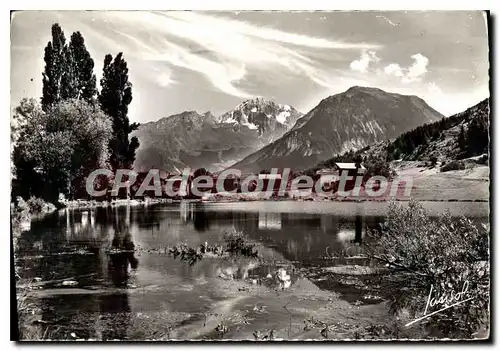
pixel 463 135
pixel 194 140
pixel 353 119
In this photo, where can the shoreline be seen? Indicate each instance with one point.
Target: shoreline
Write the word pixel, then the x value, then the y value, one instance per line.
pixel 429 185
pixel 85 204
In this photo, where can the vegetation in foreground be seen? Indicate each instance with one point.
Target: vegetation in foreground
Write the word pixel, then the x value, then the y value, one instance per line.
pixel 21 212
pixel 443 253
pixel 418 251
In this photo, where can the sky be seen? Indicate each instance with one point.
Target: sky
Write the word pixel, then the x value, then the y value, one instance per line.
pixel 212 61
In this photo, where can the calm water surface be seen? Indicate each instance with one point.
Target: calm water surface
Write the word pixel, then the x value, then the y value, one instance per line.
pixel 136 293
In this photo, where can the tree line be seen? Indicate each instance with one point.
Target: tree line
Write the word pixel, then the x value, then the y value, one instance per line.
pixel 75 127
pixel 472 139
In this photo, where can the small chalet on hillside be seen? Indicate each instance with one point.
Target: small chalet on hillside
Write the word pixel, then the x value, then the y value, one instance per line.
pixel 352 168
pixel 329 177
pixel 339 167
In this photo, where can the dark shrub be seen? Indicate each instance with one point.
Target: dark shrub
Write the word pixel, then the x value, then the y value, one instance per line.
pixel 453 166
pixel 443 253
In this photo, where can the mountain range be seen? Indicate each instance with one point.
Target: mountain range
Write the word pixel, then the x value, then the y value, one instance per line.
pixel 259 134
pixel 194 140
pixel 353 119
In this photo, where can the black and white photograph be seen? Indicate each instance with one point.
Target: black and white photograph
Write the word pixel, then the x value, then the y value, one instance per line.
pixel 250 175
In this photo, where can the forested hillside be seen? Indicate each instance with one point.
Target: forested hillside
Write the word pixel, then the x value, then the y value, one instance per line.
pixel 460 136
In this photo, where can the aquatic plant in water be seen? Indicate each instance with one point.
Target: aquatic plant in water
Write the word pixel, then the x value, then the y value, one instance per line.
pixel 236 246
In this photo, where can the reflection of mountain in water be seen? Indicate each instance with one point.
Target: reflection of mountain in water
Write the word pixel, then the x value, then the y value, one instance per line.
pixel 302 237
pixel 298 236
pixel 108 236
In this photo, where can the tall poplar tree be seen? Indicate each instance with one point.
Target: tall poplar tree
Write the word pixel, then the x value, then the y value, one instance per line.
pixel 69 69
pixel 114 98
pixel 55 65
pixel 79 81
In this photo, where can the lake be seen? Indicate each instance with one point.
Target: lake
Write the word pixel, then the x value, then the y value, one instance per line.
pixel 138 291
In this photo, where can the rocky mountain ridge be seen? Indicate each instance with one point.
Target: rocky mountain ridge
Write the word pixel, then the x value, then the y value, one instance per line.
pixel 353 119
pixel 194 140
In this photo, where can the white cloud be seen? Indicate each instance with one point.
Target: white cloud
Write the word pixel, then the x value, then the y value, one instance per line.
pixel 413 73
pixel 419 66
pixel 222 27
pixel 220 49
pixel 394 69
pixel 363 64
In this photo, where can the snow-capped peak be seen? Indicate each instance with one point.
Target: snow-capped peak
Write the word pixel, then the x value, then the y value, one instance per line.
pixel 253 114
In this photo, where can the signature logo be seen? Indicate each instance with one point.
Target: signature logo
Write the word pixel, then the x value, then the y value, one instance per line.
pixel 446 300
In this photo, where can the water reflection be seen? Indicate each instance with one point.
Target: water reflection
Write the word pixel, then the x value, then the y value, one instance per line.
pixel 101 245
pixel 355 235
pixel 358 229
pixel 120 258
pixel 96 248
pixel 122 250
pixel 301 237
pixel 201 221
pixel 269 221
